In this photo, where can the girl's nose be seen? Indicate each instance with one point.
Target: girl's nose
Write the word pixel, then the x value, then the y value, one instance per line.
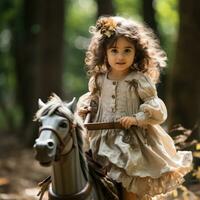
pixel 120 56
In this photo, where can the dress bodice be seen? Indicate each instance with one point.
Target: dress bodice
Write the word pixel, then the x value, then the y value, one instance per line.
pixel 118 99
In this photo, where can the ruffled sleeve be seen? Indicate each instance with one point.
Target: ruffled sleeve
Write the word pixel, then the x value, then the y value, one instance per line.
pixel 85 99
pixel 152 110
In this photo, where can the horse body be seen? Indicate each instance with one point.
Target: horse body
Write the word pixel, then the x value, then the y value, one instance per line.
pixel 60 145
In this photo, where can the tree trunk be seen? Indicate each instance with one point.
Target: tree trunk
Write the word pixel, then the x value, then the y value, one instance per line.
pixel 105 7
pixel 25 50
pixel 149 11
pixel 38 49
pixel 149 15
pixel 51 47
pixel 185 95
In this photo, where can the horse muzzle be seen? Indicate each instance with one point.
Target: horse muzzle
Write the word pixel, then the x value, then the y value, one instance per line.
pixel 45 152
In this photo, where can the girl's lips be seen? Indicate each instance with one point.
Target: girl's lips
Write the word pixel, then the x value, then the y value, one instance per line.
pixel 120 63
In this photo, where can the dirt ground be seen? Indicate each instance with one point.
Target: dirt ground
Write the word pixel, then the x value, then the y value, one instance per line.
pixel 20 174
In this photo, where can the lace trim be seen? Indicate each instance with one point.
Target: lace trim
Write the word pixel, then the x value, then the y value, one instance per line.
pixel 148 186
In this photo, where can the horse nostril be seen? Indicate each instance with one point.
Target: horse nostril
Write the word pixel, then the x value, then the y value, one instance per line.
pixel 50 144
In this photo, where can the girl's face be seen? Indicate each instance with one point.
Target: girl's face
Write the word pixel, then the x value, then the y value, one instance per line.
pixel 121 55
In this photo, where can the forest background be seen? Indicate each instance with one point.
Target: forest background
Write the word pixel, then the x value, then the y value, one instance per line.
pixel 42 50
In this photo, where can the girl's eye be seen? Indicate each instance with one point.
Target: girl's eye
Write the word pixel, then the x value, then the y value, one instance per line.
pixel 127 50
pixel 63 125
pixel 113 50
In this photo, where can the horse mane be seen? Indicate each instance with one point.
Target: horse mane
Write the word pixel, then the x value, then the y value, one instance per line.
pixel 56 106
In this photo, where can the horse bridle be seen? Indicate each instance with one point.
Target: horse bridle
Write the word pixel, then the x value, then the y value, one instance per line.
pixel 63 141
pixel 84 193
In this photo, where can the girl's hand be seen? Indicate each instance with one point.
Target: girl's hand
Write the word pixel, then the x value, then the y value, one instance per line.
pixel 127 122
pixel 82 112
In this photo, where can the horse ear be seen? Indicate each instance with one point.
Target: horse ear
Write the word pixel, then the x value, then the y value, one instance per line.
pixel 72 105
pixel 40 103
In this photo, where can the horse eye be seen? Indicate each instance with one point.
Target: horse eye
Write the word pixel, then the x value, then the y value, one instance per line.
pixel 63 125
pixel 39 123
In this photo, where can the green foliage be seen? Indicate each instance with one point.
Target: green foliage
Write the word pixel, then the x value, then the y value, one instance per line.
pixel 168 20
pixel 8 11
pixel 76 40
pixel 129 8
pixel 167 16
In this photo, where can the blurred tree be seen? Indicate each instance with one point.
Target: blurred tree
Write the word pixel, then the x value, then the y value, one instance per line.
pixel 7 75
pixel 38 50
pixel 148 10
pixel 76 41
pixel 25 51
pixel 51 43
pixel 105 7
pixel 149 13
pixel 185 95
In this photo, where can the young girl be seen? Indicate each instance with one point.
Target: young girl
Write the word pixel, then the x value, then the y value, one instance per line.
pixel 124 61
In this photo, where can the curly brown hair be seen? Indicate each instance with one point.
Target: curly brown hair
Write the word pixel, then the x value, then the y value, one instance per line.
pixel 149 58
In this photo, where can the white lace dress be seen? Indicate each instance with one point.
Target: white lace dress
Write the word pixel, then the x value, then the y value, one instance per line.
pixel 143 158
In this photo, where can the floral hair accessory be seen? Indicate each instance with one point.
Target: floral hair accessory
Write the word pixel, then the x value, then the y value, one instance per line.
pixel 106 26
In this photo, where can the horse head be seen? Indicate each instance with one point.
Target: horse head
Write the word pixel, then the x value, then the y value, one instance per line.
pixel 56 120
